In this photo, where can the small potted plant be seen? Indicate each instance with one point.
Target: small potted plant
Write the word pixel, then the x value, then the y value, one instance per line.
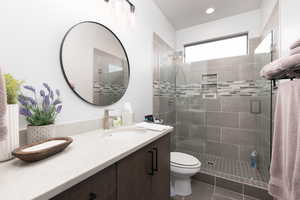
pixel 11 141
pixel 40 111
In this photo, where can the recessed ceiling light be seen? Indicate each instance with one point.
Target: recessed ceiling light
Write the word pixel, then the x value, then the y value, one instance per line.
pixel 210 11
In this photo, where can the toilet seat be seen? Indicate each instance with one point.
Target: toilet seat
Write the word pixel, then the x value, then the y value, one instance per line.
pixel 182 160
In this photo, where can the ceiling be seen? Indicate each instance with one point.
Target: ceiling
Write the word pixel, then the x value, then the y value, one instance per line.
pixel 187 13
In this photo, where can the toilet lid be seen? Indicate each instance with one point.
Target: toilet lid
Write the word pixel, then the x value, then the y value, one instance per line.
pixel 183 159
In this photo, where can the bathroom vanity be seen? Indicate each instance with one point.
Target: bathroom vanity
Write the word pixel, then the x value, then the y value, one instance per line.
pixel 143 175
pixel 125 164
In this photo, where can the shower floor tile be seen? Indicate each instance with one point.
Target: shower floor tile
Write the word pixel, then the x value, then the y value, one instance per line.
pixel 234 170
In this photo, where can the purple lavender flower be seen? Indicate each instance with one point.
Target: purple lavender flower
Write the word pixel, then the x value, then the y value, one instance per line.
pixel 59 108
pixel 46 103
pixel 47 87
pixel 25 112
pixel 51 95
pixel 32 101
pixel 44 112
pixel 24 103
pixel 22 100
pixel 42 93
pixel 27 87
pixel 26 100
pixel 57 92
pixel 56 102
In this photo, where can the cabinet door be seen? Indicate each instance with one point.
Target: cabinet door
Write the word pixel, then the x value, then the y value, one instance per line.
pixel 104 184
pixel 134 179
pixel 161 179
pixel 101 186
pixel 80 191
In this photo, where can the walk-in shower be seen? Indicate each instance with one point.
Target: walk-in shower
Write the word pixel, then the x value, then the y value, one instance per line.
pixel 221 109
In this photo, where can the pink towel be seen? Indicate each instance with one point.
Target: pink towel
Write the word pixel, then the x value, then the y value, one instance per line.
pixel 279 67
pixel 3 107
pixel 285 166
pixel 295 44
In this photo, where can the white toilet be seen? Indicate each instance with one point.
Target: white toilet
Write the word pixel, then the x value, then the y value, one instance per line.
pixel 183 167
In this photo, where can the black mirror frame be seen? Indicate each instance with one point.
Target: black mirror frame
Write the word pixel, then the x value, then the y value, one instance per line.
pixel 62 65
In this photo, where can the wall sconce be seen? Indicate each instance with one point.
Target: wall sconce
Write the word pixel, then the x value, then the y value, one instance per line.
pixel 132 7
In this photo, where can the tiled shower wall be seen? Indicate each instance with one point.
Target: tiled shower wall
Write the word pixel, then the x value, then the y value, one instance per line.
pixel 226 115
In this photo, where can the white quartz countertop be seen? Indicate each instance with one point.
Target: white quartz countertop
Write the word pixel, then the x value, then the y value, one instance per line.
pixel 88 154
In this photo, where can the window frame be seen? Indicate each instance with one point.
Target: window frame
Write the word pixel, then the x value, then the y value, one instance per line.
pixel 217 39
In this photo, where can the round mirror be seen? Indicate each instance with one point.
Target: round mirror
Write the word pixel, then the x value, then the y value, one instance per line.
pixel 95 63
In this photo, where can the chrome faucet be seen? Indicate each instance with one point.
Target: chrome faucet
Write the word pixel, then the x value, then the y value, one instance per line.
pixel 111 120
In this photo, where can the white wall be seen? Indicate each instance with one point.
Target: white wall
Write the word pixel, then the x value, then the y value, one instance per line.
pixel 31 33
pixel 289 23
pixel 246 22
pixel 266 9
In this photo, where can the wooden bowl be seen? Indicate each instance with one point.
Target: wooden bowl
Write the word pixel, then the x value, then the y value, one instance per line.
pixel 42 152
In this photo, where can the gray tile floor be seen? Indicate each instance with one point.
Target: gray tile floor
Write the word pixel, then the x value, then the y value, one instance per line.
pixel 203 191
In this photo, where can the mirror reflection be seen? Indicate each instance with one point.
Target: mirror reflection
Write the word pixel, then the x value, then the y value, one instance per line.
pixel 95 63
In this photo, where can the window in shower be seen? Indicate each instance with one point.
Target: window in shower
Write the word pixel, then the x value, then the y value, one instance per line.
pixel 229 46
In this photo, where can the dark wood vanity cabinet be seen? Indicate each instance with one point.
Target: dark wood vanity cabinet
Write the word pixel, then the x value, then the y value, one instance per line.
pixel 143 175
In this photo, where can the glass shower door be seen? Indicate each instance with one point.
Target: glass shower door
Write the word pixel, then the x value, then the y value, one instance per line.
pixel 223 115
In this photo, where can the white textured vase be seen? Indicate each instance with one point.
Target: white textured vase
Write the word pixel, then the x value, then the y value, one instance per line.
pixel 40 133
pixel 12 140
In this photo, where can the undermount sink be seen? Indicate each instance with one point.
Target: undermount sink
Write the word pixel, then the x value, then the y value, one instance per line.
pixel 125 134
